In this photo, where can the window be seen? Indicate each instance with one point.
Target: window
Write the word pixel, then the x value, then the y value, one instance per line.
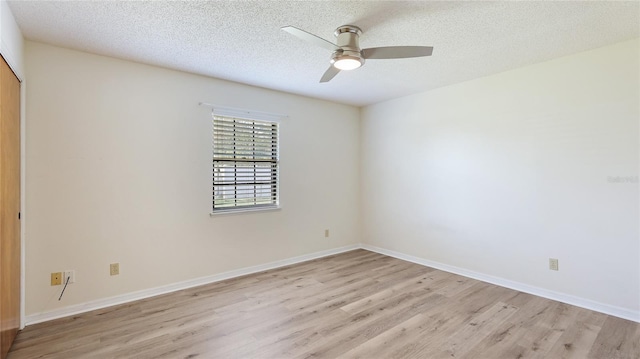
pixel 245 164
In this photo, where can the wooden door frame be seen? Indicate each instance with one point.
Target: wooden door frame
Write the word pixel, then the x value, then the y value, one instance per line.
pixel 13 279
pixel 15 67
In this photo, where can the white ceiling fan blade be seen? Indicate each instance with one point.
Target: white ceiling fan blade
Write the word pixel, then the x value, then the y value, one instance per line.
pixel 329 74
pixel 308 37
pixel 396 52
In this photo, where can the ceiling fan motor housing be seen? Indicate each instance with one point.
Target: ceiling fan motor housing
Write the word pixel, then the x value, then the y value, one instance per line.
pixel 347 39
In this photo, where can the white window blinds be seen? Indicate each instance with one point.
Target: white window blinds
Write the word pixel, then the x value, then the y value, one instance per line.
pixel 245 163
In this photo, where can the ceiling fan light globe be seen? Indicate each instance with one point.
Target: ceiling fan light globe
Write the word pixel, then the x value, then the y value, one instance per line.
pixel 347 64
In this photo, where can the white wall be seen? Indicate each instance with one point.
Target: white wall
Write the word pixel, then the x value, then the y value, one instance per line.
pixel 498 174
pixel 119 170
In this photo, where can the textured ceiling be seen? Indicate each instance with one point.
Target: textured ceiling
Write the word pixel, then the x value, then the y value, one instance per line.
pixel 242 41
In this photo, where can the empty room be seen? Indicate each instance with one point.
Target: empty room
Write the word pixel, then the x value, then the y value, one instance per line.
pixel 326 179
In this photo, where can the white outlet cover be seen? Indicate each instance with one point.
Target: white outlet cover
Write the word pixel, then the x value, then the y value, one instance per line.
pixel 71 274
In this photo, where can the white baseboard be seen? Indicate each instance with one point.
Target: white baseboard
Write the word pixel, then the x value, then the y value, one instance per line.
pixel 133 296
pixel 541 292
pixel 146 293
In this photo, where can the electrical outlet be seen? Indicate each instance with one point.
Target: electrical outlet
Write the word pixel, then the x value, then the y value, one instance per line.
pixel 553 264
pixel 56 278
pixel 70 275
pixel 326 233
pixel 114 269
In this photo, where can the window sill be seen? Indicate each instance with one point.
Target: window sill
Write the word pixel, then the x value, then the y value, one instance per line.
pixel 244 210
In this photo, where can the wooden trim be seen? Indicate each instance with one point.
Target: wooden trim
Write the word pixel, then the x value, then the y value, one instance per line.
pixel 10 240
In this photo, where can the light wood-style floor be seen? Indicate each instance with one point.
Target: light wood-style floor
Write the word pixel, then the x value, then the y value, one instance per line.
pixel 352 305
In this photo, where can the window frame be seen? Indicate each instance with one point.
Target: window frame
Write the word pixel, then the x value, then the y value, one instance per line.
pixel 259 118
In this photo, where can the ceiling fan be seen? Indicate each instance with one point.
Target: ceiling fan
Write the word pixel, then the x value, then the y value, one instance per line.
pixel 347 54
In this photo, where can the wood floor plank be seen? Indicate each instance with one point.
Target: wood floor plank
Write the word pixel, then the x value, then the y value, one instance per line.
pixel 422 281
pixel 461 342
pixel 618 338
pixel 341 337
pixel 441 326
pixel 382 345
pixel 506 337
pixel 357 304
